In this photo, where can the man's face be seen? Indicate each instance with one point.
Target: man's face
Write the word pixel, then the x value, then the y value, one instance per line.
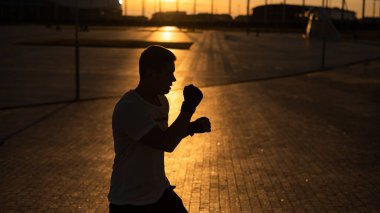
pixel 164 78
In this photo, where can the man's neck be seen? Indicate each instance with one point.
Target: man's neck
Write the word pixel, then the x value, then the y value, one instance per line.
pixel 147 94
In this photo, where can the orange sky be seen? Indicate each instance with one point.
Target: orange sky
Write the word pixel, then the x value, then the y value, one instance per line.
pixel 238 6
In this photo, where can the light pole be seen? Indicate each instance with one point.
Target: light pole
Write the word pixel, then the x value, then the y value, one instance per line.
pixel 363 10
pixel 125 7
pixel 342 14
pixel 248 8
pixel 374 8
pixel 324 36
pixel 177 6
pixel 77 75
pixel 284 12
pixel 143 8
pixel 195 7
pixel 248 3
pixel 229 7
pixel 212 7
pixel 265 13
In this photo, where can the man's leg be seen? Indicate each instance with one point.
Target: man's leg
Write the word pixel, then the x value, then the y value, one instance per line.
pixel 170 202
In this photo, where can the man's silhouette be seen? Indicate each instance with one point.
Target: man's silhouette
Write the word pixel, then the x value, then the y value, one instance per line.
pixel 141 136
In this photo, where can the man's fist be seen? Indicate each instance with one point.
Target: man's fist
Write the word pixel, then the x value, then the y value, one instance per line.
pixel 193 97
pixel 200 125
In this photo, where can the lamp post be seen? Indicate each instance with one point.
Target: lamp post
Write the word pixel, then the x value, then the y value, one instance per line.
pixel 195 7
pixel 77 76
pixel 125 7
pixel 363 10
pixel 248 5
pixel 324 36
pixel 143 8
pixel 229 7
pixel 212 7
pixel 342 11
pixel 374 8
pixel 265 13
pixel 284 12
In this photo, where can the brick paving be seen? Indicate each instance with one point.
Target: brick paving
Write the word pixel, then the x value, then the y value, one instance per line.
pixel 301 144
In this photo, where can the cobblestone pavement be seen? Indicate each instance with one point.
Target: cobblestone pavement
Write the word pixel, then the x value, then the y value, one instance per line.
pixel 300 144
pixel 40 74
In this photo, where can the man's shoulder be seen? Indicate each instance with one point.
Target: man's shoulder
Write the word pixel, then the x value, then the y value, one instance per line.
pixel 128 100
pixel 129 95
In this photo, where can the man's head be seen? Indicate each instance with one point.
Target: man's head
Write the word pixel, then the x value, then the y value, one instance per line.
pixel 156 67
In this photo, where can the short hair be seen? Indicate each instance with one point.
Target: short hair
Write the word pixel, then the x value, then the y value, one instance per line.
pixel 154 57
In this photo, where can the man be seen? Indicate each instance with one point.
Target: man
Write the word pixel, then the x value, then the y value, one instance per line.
pixel 141 136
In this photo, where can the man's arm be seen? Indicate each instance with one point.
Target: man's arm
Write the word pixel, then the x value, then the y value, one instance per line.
pixel 201 125
pixel 169 139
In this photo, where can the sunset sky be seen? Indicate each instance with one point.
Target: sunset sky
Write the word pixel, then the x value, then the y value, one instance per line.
pixel 238 6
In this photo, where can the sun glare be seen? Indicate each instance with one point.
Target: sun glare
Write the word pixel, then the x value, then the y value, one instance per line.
pixel 168 28
pixel 167 36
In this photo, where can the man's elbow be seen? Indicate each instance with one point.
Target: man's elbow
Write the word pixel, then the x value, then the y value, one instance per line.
pixel 166 146
pixel 162 147
pixel 160 140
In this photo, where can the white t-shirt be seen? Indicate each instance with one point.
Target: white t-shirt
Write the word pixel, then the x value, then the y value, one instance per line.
pixel 138 175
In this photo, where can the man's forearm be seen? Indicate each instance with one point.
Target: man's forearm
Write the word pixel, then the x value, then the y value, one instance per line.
pixel 169 139
pixel 177 131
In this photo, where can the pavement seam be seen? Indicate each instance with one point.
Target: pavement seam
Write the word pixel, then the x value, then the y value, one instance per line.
pixel 39 120
pixel 58 102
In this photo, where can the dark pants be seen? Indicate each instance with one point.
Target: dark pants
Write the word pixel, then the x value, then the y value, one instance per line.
pixel 169 202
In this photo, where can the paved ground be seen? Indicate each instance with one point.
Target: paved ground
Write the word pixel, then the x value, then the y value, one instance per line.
pixel 307 143
pixel 35 74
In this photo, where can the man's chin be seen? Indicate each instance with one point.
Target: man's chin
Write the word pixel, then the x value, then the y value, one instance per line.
pixel 167 91
pixel 164 92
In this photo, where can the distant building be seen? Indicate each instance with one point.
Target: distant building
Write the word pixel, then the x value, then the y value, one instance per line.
pixel 181 18
pixel 169 17
pixel 287 15
pixel 24 10
pixel 371 23
pixel 135 20
pixel 242 19
pixel 61 11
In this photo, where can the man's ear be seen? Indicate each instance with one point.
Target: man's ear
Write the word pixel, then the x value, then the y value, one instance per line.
pixel 149 73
